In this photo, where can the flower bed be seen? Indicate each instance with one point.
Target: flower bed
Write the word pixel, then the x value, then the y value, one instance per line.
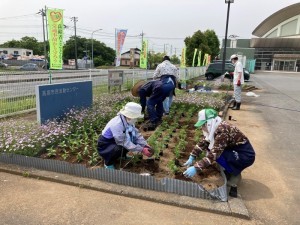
pixel 75 138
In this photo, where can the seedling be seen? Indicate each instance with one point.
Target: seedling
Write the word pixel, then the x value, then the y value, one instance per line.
pixel 172 166
pixel 51 152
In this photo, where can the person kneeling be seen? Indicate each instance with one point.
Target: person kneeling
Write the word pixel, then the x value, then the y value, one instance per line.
pixel 223 143
pixel 120 136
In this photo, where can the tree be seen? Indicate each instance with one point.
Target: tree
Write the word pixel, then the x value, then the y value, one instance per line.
pixel 26 42
pixel 154 59
pixel 103 55
pixel 175 59
pixel 207 43
pixel 213 42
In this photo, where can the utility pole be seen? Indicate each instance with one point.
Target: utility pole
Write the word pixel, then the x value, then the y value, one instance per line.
pixel 42 12
pixel 75 20
pixel 46 23
pixel 164 48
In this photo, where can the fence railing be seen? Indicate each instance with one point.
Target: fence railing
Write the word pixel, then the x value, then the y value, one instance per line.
pixel 17 89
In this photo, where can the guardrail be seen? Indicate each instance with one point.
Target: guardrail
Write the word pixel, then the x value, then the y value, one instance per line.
pixel 17 89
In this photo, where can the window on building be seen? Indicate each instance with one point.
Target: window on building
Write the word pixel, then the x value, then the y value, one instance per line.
pixel 16 52
pixel 4 52
pixel 273 34
pixel 289 28
pixel 28 53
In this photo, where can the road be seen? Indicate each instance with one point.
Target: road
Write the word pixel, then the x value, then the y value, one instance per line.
pixel 270 188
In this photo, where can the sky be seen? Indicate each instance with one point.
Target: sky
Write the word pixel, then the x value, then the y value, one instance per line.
pixel 165 23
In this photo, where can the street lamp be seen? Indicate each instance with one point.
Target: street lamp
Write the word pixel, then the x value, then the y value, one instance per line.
pixel 93 47
pixel 226 32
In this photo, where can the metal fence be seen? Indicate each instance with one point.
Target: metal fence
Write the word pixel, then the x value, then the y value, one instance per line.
pixel 17 89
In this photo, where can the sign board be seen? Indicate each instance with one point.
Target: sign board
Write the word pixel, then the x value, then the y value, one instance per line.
pixel 115 78
pixel 54 100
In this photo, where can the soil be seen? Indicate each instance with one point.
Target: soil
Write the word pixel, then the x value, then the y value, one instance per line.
pixel 210 177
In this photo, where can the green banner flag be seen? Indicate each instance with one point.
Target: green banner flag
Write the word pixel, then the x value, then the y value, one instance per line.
pixel 205 60
pixel 199 59
pixel 144 55
pixel 195 53
pixel 183 61
pixel 56 30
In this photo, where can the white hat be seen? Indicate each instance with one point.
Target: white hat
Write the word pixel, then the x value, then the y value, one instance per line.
pixel 132 110
pixel 234 56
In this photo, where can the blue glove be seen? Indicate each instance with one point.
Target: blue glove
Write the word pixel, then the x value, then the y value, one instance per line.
pixel 190 161
pixel 190 172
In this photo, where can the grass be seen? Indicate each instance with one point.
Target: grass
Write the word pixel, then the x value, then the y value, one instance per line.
pixel 8 106
pixel 18 104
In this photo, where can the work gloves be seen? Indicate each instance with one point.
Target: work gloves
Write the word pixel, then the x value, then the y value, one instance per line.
pixel 190 172
pixel 238 83
pixel 190 161
pixel 147 151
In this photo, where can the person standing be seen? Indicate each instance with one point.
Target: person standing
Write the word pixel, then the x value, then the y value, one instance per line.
pixel 168 74
pixel 223 143
pixel 120 136
pixel 238 81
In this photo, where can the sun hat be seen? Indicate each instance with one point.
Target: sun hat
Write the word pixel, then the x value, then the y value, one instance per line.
pixel 135 89
pixel 234 56
pixel 132 110
pixel 204 115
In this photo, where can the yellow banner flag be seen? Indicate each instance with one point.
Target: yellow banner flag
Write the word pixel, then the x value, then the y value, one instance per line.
pixel 56 30
pixel 144 55
pixel 183 59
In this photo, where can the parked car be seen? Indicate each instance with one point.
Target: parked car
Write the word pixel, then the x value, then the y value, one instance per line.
pixel 3 65
pixel 29 67
pixel 215 70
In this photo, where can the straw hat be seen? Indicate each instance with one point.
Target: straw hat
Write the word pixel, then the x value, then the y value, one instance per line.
pixel 135 89
pixel 132 110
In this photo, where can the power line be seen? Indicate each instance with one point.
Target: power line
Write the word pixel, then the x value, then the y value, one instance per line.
pixel 16 17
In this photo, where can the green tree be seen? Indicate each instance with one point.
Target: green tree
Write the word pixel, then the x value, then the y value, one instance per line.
pixel 103 55
pixel 207 43
pixel 11 44
pixel 26 42
pixel 213 42
pixel 33 44
pixel 175 59
pixel 154 59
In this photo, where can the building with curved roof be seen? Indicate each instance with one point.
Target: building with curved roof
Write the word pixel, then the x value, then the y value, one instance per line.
pixel 277 41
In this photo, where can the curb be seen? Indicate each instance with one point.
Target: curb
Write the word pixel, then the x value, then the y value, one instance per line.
pixel 234 207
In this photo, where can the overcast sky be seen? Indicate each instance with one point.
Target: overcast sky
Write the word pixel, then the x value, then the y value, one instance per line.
pixel 163 21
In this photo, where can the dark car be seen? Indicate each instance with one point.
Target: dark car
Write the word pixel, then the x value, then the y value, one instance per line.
pixel 29 67
pixel 215 70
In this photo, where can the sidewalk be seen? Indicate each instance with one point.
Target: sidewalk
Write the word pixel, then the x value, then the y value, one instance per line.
pixel 35 202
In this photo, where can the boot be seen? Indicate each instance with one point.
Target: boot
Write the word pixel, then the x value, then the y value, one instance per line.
pixel 233 192
pixel 151 126
pixel 234 104
pixel 237 107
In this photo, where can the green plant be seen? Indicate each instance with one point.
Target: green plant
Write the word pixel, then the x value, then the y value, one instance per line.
pixel 79 157
pixel 51 151
pixel 65 155
pixel 93 159
pixel 172 166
